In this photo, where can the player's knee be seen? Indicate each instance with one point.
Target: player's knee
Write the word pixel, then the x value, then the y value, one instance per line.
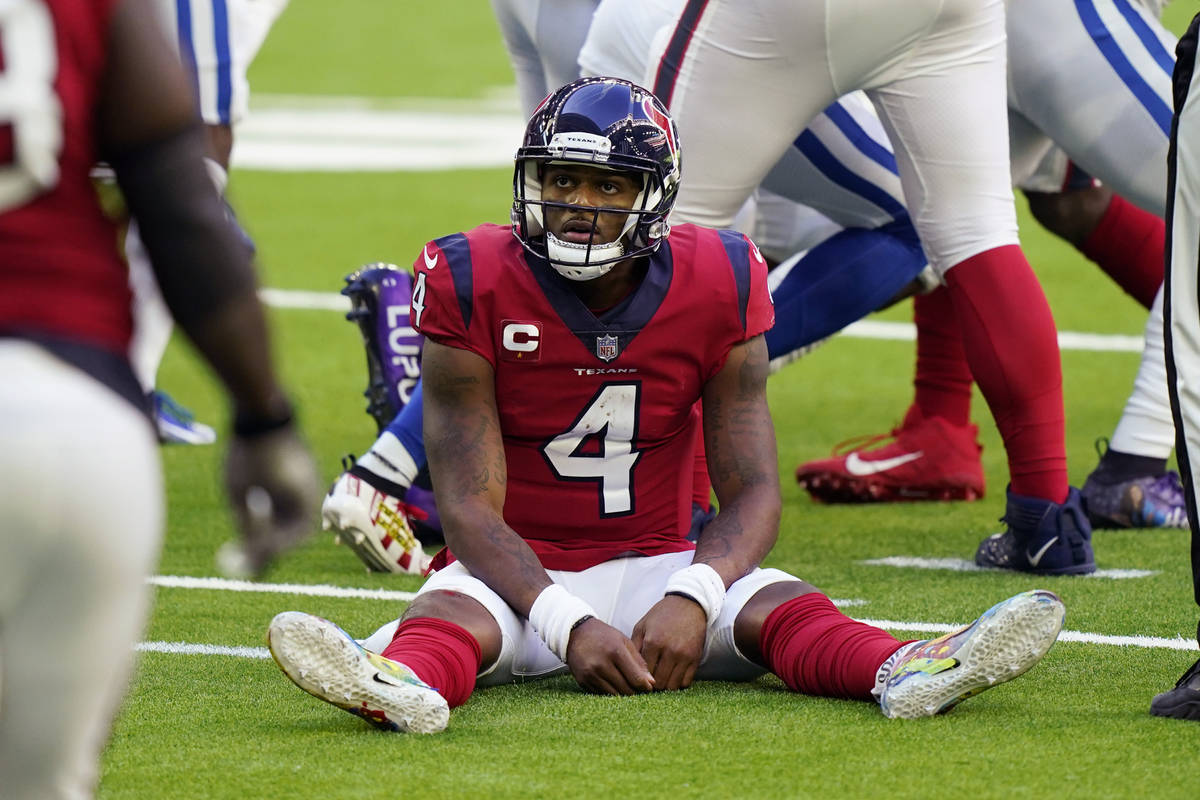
pixel 1070 215
pixel 464 611
pixel 750 620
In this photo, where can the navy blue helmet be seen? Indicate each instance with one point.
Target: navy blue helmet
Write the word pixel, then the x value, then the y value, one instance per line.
pixel 603 122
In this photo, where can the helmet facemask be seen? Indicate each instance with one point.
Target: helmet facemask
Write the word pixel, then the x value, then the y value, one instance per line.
pixel 605 123
pixel 585 261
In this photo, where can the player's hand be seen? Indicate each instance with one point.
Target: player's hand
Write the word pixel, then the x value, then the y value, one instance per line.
pixel 275 492
pixel 671 640
pixel 604 660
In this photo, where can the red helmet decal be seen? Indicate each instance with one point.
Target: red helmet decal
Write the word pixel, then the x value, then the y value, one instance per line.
pixel 663 123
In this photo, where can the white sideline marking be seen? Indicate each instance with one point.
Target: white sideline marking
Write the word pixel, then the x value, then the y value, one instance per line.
pixel 863 329
pixel 376 140
pixel 961 565
pixel 1149 642
pixel 1154 642
pixel 309 590
pixel 189 649
pixel 308 301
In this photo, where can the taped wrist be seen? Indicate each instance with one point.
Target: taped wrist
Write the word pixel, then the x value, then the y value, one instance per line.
pixel 554 614
pixel 701 583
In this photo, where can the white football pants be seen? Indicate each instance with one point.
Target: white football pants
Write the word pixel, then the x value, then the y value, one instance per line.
pixel 82 513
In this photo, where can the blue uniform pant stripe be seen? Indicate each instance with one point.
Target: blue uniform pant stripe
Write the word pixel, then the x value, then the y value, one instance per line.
pixel 1111 50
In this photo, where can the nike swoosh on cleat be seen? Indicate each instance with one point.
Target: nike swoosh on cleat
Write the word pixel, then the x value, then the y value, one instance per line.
pixel 859 467
pixel 1037 557
pixel 430 263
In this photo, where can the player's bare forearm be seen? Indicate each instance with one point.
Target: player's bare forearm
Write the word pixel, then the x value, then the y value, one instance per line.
pixel 740 447
pixel 467 465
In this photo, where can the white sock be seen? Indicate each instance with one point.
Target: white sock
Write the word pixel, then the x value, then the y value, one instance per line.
pixel 152 322
pixel 390 460
pixel 1146 427
pixel 886 668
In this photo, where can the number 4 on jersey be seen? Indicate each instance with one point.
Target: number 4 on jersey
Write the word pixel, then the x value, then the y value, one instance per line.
pixel 612 415
pixel 28 104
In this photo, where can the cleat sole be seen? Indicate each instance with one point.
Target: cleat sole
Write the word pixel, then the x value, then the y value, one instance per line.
pixel 336 670
pixel 1007 641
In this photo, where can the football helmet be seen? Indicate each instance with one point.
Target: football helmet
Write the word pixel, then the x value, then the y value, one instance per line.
pixel 608 123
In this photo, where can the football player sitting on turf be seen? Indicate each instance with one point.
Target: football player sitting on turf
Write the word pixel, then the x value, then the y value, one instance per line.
pixel 562 369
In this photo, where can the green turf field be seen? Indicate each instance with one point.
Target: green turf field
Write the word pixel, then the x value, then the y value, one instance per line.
pixel 231 726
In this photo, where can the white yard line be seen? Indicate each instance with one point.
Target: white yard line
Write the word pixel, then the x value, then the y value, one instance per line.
pixel 961 565
pixel 304 589
pixel 864 329
pixel 325 590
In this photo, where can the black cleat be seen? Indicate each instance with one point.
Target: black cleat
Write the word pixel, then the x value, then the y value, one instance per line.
pixel 1182 702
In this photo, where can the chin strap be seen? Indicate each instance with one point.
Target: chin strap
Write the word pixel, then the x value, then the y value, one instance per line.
pixel 578 261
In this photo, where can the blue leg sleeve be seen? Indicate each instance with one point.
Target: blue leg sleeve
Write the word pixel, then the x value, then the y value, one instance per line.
pixel 407 427
pixel 840 281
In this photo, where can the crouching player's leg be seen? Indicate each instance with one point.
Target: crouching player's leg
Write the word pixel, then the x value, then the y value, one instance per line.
pixel 797 633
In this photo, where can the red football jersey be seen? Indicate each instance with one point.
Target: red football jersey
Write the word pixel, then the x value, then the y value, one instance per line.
pixel 598 413
pixel 60 272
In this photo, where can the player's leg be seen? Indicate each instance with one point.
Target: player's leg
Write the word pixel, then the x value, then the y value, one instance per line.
pixel 73 565
pixel 1131 487
pixel 1119 57
pixel 1181 310
pixel 560 30
pixel 369 507
pixel 955 170
pixel 217 40
pixel 842 167
pixel 846 154
pixel 773 621
pixel 517 21
pixel 374 507
pixel 410 673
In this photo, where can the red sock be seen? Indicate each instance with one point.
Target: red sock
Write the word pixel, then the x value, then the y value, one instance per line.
pixel 818 650
pixel 1012 345
pixel 443 654
pixel 1128 244
pixel 943 379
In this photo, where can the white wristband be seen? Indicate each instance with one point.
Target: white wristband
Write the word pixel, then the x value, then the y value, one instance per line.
pixel 701 583
pixel 554 614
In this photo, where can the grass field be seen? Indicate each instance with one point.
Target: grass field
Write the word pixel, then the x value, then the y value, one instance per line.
pixel 207 720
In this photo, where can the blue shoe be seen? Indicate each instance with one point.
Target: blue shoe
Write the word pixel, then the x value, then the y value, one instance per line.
pixel 931 677
pixel 177 425
pixel 380 295
pixel 1152 501
pixel 1041 537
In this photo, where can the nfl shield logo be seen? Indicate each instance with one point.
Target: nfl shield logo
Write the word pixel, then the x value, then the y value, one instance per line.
pixel 606 347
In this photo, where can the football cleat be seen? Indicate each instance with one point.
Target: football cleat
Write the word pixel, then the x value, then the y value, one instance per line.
pixel 375 525
pixel 1183 701
pixel 931 677
pixel 177 425
pixel 323 660
pixel 1041 537
pixel 380 295
pixel 929 459
pixel 1152 501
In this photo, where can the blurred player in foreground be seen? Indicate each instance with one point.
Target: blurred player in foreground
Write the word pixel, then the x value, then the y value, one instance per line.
pixel 564 369
pixel 1182 325
pixel 80 483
